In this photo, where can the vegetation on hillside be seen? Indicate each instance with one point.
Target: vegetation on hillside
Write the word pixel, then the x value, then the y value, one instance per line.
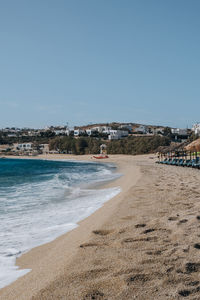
pixel 42 139
pixel 88 145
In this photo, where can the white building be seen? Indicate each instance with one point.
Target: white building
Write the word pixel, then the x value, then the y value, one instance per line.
pixel 78 132
pixel 106 129
pixel 12 135
pixel 44 148
pixel 99 129
pixel 117 134
pixel 141 129
pixel 102 129
pixel 23 147
pixel 156 130
pixel 180 134
pixel 4 148
pixel 179 131
pixel 90 131
pixel 127 126
pixel 196 128
pixel 60 132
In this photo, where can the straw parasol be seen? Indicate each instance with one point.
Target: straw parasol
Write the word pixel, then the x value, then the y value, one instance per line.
pixel 173 147
pixel 194 146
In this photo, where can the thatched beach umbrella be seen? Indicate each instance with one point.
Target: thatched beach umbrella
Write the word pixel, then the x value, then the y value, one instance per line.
pixel 194 146
pixel 174 150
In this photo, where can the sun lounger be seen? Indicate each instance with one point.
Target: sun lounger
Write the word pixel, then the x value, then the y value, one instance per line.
pixel 180 163
pixel 195 164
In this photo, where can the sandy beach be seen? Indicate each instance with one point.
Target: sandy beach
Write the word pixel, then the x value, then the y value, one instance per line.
pixel 142 244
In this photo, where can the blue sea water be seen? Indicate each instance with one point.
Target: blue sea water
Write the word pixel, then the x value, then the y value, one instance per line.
pixel 42 199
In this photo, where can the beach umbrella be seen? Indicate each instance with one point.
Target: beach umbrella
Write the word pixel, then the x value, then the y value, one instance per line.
pixel 194 146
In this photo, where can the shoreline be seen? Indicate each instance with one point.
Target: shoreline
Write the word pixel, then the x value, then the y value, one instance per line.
pixel 148 248
pixel 37 259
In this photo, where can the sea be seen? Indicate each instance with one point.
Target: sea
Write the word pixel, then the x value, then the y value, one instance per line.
pixel 43 199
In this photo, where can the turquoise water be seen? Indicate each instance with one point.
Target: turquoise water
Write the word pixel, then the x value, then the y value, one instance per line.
pixel 42 199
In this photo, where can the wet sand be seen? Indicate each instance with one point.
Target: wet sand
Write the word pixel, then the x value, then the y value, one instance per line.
pixel 143 244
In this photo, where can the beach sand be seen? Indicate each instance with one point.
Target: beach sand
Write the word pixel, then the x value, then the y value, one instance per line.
pixel 142 244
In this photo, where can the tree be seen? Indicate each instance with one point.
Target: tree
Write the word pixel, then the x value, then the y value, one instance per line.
pixel 167 132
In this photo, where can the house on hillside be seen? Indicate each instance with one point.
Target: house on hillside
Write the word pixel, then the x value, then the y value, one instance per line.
pixel 5 148
pixel 24 147
pixel 102 129
pixel 44 148
pixel 180 134
pixel 78 132
pixel 117 134
pixel 106 129
pixel 126 126
pixel 90 131
pixel 156 130
pixel 196 129
pixel 141 129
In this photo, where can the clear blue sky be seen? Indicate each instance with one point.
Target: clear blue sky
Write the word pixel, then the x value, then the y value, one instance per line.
pixel 82 61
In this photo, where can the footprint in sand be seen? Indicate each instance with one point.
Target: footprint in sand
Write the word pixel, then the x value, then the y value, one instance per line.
pixel 184 293
pixel 197 246
pixel 192 267
pixel 148 239
pixel 94 295
pixel 137 278
pixel 158 252
pixel 140 225
pixel 182 221
pixel 172 218
pixel 128 217
pixel 102 232
pixel 193 283
pixel 91 245
pixel 148 231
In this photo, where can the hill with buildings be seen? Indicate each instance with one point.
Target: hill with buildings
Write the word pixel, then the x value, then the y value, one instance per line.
pixel 123 138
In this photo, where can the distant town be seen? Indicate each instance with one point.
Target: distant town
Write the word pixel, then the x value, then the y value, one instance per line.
pixel 26 141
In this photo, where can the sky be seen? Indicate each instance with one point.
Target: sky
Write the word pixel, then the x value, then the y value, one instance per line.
pixel 88 61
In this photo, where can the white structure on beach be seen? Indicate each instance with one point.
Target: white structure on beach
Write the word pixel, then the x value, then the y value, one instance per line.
pixel 196 128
